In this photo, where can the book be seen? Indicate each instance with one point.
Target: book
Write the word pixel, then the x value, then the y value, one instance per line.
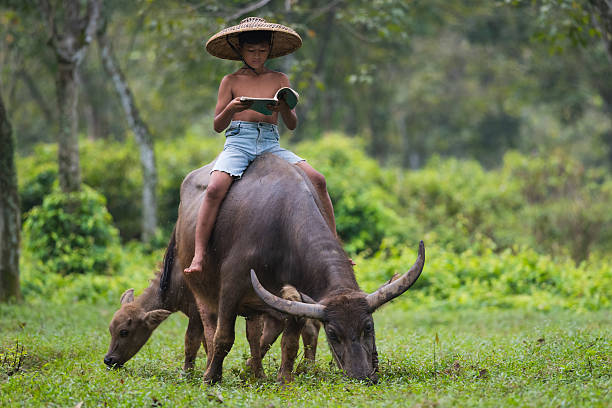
pixel 259 104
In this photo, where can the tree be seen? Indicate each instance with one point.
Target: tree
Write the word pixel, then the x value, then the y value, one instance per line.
pixel 9 213
pixel 576 22
pixel 141 132
pixel 70 47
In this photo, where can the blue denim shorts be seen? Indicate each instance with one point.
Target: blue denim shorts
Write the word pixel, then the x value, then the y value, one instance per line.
pixel 244 141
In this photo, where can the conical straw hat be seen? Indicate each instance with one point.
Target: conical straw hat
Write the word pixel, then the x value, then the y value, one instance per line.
pixel 284 39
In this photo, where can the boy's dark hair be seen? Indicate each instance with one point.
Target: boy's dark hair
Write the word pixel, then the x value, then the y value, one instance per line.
pixel 254 37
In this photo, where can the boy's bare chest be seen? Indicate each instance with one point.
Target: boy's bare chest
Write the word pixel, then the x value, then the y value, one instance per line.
pixel 256 87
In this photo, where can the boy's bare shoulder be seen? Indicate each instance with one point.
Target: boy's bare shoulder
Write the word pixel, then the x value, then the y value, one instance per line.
pixel 278 74
pixel 229 78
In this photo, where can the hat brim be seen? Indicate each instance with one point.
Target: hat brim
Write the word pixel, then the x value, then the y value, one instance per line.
pixel 284 40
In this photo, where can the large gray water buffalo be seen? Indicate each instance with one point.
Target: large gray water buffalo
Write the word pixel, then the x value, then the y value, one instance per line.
pixel 272 222
pixel 137 318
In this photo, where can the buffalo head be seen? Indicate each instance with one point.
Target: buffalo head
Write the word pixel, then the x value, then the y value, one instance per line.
pixel 130 329
pixel 347 317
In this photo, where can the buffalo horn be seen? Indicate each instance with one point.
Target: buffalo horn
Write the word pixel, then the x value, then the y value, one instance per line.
pixel 315 311
pixel 394 289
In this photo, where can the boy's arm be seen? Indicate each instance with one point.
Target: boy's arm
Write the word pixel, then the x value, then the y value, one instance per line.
pixel 289 116
pixel 227 106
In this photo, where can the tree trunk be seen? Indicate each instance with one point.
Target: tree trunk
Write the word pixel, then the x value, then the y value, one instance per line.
pixel 141 132
pixel 603 21
pixel 9 213
pixel 68 140
pixel 70 47
pixel 90 108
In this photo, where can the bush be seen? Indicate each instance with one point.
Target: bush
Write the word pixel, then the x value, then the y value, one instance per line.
pixel 456 203
pixel 362 193
pixel 566 206
pixel 72 233
pixel 113 169
pixel 37 174
pixel 477 277
pixel 177 159
pixel 136 267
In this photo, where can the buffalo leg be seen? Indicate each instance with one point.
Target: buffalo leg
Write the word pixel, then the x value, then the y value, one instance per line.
pixel 272 328
pixel 254 327
pixel 310 335
pixel 209 322
pixel 290 344
pixel 224 335
pixel 193 338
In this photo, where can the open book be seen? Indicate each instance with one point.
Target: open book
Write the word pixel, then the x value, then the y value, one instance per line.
pixel 259 104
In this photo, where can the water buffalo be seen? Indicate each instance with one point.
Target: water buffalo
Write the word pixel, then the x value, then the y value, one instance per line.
pixel 272 222
pixel 133 324
pixel 135 321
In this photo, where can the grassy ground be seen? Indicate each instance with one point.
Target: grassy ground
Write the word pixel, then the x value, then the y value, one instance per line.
pixel 483 358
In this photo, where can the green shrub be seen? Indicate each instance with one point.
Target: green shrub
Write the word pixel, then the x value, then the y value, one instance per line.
pixel 37 174
pixel 177 159
pixel 135 267
pixel 481 277
pixel 72 233
pixel 566 206
pixel 113 169
pixel 457 202
pixel 361 192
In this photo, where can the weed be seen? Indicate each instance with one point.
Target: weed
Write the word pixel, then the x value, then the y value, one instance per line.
pixel 11 360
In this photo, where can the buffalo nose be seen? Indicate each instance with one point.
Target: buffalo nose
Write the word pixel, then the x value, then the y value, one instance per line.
pixel 108 361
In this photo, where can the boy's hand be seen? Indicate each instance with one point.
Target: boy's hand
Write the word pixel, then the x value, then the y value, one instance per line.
pixel 236 105
pixel 279 107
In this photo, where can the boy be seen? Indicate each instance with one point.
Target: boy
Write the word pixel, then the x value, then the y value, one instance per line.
pixel 250 133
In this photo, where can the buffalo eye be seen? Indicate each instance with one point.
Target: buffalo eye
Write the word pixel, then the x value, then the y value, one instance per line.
pixel 123 333
pixel 368 329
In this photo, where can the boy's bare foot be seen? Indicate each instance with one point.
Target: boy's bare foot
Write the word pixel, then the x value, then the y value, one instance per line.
pixel 196 266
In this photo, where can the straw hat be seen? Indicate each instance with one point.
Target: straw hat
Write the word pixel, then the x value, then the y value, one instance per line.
pixel 225 44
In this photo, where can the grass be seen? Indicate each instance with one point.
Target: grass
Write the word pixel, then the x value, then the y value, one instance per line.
pixel 484 357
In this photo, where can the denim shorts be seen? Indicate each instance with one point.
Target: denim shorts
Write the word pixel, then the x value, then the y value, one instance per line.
pixel 244 141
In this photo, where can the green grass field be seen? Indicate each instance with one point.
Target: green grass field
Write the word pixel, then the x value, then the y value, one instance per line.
pixel 483 358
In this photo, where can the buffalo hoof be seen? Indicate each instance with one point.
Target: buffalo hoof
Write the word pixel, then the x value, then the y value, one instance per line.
pixel 255 368
pixel 188 366
pixel 306 365
pixel 211 378
pixel 284 377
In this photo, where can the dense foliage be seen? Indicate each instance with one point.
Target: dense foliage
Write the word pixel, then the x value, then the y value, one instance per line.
pixel 533 232
pixel 71 234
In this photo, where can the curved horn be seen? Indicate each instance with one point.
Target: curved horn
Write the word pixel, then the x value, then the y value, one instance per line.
pixel 399 286
pixel 315 311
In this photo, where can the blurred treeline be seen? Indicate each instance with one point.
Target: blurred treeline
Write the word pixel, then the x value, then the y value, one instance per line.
pixel 485 132
pixel 413 78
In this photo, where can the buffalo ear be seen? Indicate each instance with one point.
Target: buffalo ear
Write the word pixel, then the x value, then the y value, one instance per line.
pixel 127 297
pixel 153 318
pixel 307 299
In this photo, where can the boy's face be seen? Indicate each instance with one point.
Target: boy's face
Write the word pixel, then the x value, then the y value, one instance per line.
pixel 255 54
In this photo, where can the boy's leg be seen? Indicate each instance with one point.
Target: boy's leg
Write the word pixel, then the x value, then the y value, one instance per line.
pixel 218 185
pixel 318 180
